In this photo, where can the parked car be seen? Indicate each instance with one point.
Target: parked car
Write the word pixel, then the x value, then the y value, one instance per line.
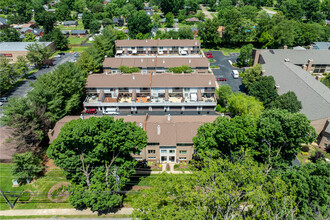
pixel 57 56
pixel 208 53
pixel 209 56
pixel 31 77
pixel 45 66
pixel 1 103
pixel 61 53
pixel 3 99
pixel 91 111
pixel 221 79
pixel 110 112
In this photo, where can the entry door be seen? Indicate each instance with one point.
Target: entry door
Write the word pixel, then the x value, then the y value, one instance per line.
pixel 167 154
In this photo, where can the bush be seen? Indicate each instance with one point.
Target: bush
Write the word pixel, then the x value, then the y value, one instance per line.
pixel 305 149
pixel 180 69
pixel 212 60
pixel 126 69
pixel 317 156
pixel 176 166
pixel 218 108
pixel 26 166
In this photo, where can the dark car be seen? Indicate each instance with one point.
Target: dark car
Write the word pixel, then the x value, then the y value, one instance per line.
pixel 31 77
pixel 3 99
pixel 91 111
pixel 45 66
pixel 221 79
pixel 61 53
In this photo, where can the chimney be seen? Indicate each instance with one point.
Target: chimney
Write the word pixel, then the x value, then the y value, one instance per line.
pixel 163 61
pixel 106 73
pixel 141 60
pixel 285 47
pixel 158 129
pixel 146 41
pixel 90 73
pixel 169 117
pixel 304 67
pixel 277 87
pixel 133 77
pixel 309 66
pixel 82 116
pixel 209 82
pixel 263 72
pixel 195 42
pixel 310 47
pixel 189 60
pixel 287 60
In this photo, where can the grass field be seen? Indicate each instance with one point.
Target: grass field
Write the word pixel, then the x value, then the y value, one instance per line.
pixel 39 187
pixel 225 50
pixel 80 26
pixel 71 50
pixel 76 40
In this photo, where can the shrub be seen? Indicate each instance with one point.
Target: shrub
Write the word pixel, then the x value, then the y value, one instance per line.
pixel 180 69
pixel 218 108
pixel 317 156
pixel 176 166
pixel 26 166
pixel 126 69
pixel 305 149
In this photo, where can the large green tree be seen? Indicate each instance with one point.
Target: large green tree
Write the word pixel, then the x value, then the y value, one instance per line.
pixel 221 190
pixel 251 75
pixel 288 101
pixel 223 92
pixel 8 34
pixel 63 13
pixel 312 182
pixel 264 89
pixel 171 6
pixel 95 154
pixel 245 55
pixel 38 53
pixel 139 22
pixel 208 32
pixel 241 104
pixel 26 166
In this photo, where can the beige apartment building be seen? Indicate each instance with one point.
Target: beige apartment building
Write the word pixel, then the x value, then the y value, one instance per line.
pixel 158 47
pixel 169 137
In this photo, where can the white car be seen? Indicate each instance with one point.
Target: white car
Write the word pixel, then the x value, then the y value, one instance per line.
pixel 110 112
pixel 1 103
pixel 57 56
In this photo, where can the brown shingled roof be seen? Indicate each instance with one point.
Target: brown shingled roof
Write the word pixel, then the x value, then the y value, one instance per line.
pixel 166 62
pixel 173 130
pixel 159 43
pixel 141 80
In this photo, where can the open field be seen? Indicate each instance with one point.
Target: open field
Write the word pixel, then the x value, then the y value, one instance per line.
pixel 76 40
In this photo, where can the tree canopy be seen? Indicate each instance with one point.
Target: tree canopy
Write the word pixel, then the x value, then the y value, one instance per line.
pixel 26 166
pixel 242 104
pixel 95 154
pixel 139 22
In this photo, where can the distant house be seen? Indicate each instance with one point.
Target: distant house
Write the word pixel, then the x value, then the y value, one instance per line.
pixel 163 20
pixel 125 31
pixel 26 30
pixel 79 32
pixel 38 32
pixel 195 31
pixel 321 46
pixel 327 22
pixel 66 32
pixel 150 13
pixel 148 8
pixel 221 30
pixel 80 15
pixel 3 21
pixel 51 10
pixel 70 23
pixel 118 21
pixel 193 19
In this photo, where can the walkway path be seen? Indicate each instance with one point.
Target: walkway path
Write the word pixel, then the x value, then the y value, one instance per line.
pixel 269 11
pixel 206 12
pixel 29 212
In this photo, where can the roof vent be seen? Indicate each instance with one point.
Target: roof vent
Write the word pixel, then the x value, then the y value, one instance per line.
pixel 189 60
pixel 169 117
pixel 277 87
pixel 209 82
pixel 106 73
pixel 158 129
pixel 133 77
pixel 153 60
pixel 195 42
pixel 163 61
pixel 287 60
pixel 141 60
pixel 146 41
pixel 82 116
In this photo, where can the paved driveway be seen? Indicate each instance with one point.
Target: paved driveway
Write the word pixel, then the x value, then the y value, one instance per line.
pixel 24 87
pixel 225 70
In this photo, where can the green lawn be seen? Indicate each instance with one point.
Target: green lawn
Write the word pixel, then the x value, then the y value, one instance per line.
pixel 80 26
pixel 71 50
pixel 39 187
pixel 181 25
pixel 76 40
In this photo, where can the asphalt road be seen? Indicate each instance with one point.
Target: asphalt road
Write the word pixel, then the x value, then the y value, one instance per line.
pixel 225 70
pixel 22 89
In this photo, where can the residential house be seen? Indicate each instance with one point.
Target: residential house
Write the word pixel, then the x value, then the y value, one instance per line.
pixel 80 15
pixel 193 19
pixel 324 137
pixel 158 47
pixel 3 21
pixel 66 32
pixel 321 46
pixel 148 8
pixel 150 12
pixel 38 32
pixel 169 136
pixel 26 30
pixel 70 23
pixel 118 21
pixel 79 32
pixel 142 93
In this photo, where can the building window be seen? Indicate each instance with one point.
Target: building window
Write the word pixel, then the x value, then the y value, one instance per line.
pixel 138 158
pixel 182 158
pixel 186 89
pixel 172 151
pixel 183 151
pixel 151 151
pixel 184 144
pixel 152 158
pixel 164 151
pixel 153 144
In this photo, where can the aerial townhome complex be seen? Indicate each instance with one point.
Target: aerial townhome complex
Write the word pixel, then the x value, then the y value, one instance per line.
pixel 155 84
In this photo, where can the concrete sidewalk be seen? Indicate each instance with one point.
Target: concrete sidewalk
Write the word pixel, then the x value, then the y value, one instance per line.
pixel 32 212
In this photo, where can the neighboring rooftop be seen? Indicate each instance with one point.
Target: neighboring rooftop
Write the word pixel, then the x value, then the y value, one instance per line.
pixel 314 96
pixel 79 32
pixel 165 130
pixel 3 21
pixel 166 62
pixel 321 45
pixel 19 46
pixel 165 80
pixel 159 43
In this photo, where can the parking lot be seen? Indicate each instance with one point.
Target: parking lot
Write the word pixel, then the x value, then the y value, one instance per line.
pixel 225 70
